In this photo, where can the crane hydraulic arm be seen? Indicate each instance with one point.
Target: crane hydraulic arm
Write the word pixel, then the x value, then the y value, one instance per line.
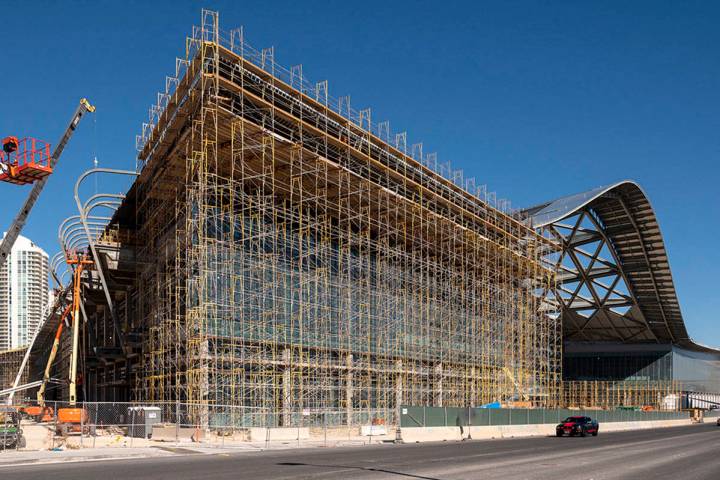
pixel 51 357
pixel 22 216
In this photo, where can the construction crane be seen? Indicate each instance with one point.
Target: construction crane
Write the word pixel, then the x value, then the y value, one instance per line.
pixel 27 160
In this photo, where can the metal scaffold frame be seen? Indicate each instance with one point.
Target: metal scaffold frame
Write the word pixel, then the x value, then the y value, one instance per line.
pixel 10 363
pixel 291 260
pixel 319 276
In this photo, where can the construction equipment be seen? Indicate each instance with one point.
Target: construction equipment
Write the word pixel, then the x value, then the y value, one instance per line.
pixel 10 431
pixel 71 419
pixel 10 144
pixel 24 362
pixel 28 161
pixel 24 161
pixel 42 412
pixel 38 413
pixel 51 357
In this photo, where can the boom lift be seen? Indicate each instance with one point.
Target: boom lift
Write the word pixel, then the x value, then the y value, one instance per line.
pixel 28 161
pixel 72 418
pixel 42 412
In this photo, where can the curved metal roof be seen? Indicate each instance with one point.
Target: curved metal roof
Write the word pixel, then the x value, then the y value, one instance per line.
pixel 618 220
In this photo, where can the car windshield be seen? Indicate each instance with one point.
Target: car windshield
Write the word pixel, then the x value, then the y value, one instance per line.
pixel 574 419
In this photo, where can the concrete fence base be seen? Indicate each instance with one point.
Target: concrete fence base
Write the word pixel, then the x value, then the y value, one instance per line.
pixel 439 434
pixel 278 434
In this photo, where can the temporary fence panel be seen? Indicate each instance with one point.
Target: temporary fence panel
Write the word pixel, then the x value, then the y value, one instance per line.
pixel 456 417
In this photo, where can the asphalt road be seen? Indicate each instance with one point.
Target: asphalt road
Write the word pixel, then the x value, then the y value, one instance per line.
pixel 683 452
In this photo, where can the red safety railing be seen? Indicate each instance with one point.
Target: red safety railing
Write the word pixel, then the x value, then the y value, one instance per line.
pixel 29 163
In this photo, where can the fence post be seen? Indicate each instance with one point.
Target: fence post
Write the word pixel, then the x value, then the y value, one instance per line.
pixel 82 423
pixel 55 421
pixel 325 427
pixel 267 430
pixel 177 420
pixel 370 417
pixel 97 407
pixel 469 437
pixel 132 427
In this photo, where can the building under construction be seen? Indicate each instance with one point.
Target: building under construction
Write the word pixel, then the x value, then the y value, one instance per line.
pixel 280 251
pixel 10 363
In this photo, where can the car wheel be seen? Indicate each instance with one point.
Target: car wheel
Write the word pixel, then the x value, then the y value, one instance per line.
pixel 558 434
pixel 595 433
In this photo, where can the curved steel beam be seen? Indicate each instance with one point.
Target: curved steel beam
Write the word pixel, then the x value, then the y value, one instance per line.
pixel 96 258
pixel 624 217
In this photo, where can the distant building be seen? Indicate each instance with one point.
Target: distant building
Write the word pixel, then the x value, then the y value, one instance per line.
pixel 50 299
pixel 23 293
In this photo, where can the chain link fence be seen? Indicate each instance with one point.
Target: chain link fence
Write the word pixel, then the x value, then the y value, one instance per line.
pixel 100 424
pixel 94 424
pixel 479 417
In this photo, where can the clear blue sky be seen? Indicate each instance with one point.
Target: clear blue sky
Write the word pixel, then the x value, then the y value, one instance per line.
pixel 536 99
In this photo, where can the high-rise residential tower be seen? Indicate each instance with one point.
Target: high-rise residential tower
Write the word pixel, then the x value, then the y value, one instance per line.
pixel 23 293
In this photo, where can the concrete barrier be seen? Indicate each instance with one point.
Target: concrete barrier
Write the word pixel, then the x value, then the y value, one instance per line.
pixel 38 437
pixel 260 434
pixel 511 431
pixel 640 425
pixel 439 434
pixel 169 433
pixel 430 434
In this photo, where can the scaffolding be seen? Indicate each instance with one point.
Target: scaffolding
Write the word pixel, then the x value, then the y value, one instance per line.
pixel 645 394
pixel 10 362
pixel 281 260
pixel 291 258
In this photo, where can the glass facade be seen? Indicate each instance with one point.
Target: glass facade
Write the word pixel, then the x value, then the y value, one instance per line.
pixel 699 371
pixel 696 371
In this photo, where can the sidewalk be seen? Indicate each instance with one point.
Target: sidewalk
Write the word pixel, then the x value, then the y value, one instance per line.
pixel 39 457
pixel 157 449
